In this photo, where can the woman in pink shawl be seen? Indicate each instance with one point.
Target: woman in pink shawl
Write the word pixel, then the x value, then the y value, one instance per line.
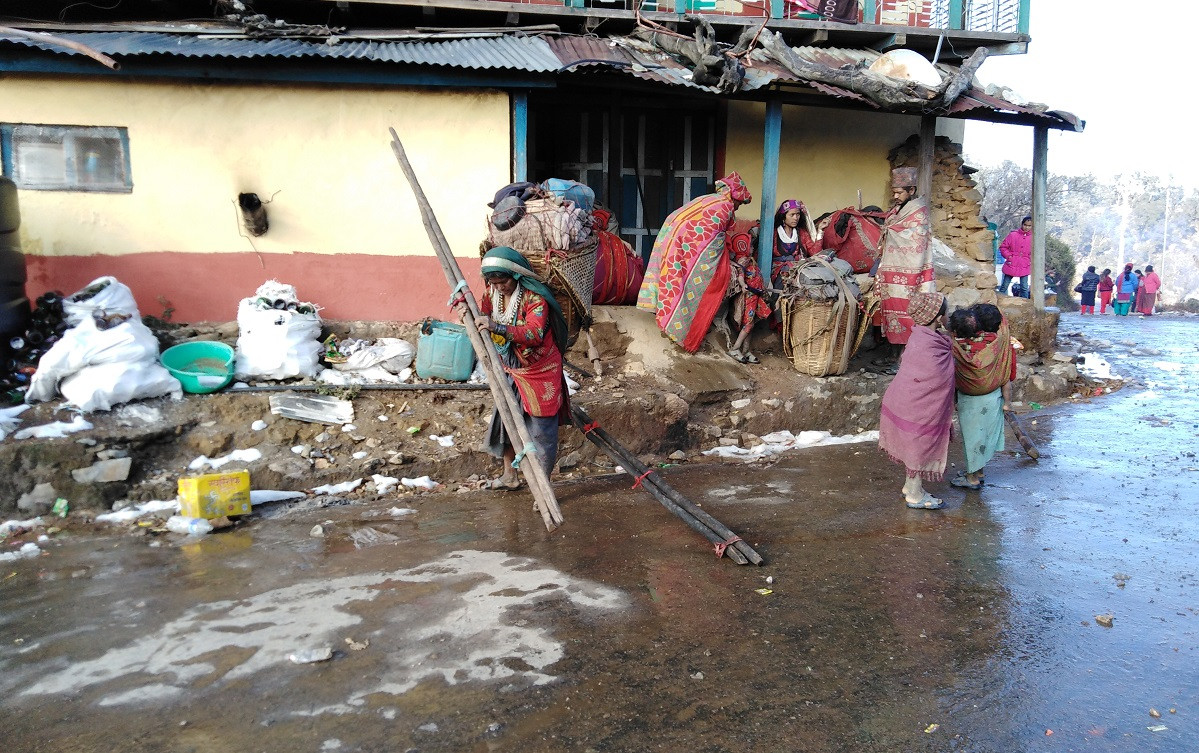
pixel 916 419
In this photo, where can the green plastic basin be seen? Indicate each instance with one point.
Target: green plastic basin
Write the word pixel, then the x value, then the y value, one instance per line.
pixel 201 366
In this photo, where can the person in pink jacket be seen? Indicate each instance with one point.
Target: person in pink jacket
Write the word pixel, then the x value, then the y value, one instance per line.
pixel 1017 257
pixel 1147 293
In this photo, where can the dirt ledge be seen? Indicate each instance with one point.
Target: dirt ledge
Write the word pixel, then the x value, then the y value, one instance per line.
pixel 664 405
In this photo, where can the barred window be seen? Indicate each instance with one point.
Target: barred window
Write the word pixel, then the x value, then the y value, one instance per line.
pixel 66 158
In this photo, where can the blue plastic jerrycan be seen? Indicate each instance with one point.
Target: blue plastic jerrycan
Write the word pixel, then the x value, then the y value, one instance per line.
pixel 443 350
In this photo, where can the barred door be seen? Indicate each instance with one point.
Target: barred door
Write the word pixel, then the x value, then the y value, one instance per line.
pixel 667 159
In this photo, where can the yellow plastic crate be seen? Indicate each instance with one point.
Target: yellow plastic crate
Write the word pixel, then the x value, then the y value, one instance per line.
pixel 212 495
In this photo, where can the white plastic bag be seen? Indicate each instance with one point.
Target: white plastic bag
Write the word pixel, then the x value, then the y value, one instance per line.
pixel 275 343
pixel 115 298
pixel 125 345
pixel 391 353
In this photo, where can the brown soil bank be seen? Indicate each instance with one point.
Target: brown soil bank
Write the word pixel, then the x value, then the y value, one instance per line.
pixel 661 403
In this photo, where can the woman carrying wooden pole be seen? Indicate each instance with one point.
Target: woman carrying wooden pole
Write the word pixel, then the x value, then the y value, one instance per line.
pixel 505 401
pixel 526 325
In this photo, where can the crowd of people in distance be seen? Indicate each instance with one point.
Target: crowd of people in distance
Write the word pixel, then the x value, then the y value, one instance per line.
pixel 1132 291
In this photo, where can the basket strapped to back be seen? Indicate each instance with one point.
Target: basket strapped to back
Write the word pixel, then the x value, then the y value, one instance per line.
pixel 569 273
pixel 820 336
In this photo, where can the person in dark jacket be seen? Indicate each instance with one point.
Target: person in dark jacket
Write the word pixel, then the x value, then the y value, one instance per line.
pixel 1088 286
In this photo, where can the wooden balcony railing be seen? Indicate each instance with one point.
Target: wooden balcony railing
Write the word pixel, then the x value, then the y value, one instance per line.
pixel 992 16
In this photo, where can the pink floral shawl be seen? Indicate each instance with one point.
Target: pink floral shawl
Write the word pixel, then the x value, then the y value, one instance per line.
pixel 916 419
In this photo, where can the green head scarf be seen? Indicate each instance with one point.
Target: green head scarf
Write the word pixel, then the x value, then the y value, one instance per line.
pixel 509 261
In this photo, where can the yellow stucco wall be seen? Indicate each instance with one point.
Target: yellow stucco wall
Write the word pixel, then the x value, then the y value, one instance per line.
pixel 826 154
pixel 323 154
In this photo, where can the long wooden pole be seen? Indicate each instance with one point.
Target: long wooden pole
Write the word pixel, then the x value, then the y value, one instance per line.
pixel 1026 442
pixel 699 519
pixel 509 411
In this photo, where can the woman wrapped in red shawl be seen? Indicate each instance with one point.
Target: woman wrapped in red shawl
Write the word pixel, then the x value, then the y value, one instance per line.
pixel 746 288
pixel 688 271
pixel 905 266
pixel 528 328
pixel 795 238
pixel 916 418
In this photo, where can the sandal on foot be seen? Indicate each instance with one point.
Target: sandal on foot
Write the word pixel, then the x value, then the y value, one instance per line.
pixel 737 356
pixel 499 484
pixel 927 502
pixel 962 482
pixel 750 358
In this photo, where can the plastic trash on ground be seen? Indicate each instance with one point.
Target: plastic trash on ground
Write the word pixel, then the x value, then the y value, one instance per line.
pixel 189 526
pixel 104 297
pixel 9 527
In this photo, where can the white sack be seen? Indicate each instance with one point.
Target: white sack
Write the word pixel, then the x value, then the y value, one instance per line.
pixel 276 344
pixel 116 298
pixel 129 342
pixel 103 386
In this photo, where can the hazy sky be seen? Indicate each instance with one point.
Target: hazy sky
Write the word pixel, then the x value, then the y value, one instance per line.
pixel 1128 75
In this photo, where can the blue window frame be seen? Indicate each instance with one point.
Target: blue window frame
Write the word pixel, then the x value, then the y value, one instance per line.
pixel 66 157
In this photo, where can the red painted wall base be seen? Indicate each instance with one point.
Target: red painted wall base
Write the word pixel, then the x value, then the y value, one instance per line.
pixel 208 287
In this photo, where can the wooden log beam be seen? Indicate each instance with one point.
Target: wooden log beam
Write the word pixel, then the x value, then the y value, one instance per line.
pixel 509 410
pixel 1026 442
pixel 699 519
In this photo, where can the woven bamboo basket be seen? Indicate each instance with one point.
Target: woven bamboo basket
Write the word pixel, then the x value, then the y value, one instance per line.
pixel 819 336
pixel 569 275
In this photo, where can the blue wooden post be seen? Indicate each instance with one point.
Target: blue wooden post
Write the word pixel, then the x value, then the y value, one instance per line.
pixel 771 140
pixel 680 6
pixel 776 8
pixel 1025 5
pixel 520 136
pixel 956 16
pixel 870 12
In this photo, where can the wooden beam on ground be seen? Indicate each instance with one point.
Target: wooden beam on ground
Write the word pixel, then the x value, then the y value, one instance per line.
pixel 722 538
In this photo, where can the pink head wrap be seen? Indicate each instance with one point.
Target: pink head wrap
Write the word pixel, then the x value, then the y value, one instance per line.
pixel 736 187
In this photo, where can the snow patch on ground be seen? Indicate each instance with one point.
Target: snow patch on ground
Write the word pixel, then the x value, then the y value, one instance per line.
pixel 472 626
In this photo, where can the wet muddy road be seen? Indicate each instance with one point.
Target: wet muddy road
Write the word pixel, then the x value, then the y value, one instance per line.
pixel 465 627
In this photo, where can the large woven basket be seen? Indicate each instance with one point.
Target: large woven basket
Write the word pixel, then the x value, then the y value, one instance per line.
pixel 570 276
pixel 819 336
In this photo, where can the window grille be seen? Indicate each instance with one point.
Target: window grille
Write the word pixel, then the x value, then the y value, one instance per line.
pixel 66 158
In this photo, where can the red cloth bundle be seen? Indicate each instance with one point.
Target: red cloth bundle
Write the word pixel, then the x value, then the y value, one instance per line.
pixel 858 242
pixel 618 269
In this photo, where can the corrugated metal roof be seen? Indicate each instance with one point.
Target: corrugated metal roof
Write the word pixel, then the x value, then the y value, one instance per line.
pixel 503 51
pixel 525 53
